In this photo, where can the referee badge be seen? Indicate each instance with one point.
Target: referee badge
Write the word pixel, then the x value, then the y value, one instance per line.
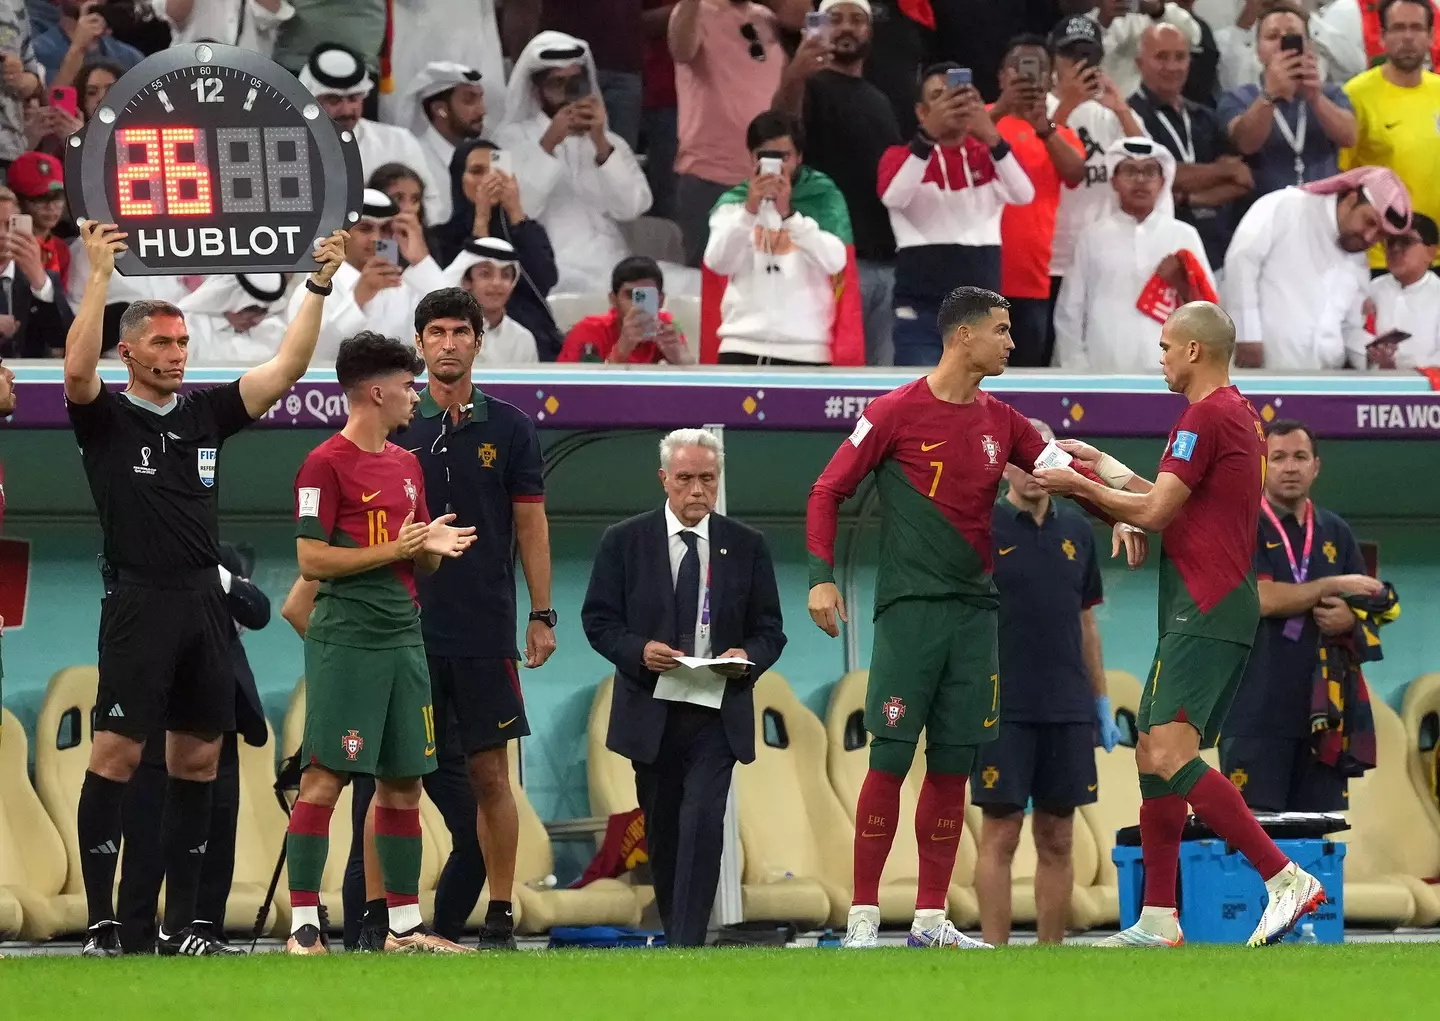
pixel 207 466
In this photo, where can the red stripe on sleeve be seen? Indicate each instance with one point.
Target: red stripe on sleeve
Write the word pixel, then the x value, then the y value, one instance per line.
pixel 890 163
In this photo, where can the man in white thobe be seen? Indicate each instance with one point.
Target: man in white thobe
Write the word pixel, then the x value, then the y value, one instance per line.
pixel 445 106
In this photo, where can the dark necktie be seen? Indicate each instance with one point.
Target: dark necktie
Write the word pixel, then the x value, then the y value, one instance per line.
pixel 687 594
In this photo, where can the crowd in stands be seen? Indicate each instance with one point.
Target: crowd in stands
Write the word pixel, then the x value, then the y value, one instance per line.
pixel 803 181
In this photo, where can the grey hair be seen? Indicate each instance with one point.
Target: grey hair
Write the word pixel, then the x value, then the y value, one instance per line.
pixel 691 438
pixel 1043 428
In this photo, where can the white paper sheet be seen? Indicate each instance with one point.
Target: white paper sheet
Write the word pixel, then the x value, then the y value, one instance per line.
pixel 693 681
pixel 1053 457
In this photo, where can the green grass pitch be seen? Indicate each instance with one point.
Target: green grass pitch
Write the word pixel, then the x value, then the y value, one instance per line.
pixel 1374 980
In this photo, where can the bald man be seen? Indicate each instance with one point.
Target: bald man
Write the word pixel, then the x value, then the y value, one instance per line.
pixel 1209 173
pixel 1205 502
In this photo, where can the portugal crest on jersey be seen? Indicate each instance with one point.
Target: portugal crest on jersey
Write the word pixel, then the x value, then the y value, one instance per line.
pixel 893 710
pixel 411 493
pixel 352 743
pixel 992 449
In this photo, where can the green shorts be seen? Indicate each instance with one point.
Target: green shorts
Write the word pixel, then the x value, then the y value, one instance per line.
pixel 936 668
pixel 368 710
pixel 1192 680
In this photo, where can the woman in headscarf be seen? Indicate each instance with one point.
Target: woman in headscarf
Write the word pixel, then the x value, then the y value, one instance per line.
pixel 485 202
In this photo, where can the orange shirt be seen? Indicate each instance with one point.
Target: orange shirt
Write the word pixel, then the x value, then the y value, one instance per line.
pixel 1028 232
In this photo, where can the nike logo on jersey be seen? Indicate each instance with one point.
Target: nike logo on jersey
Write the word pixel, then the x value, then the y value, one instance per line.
pixel 508 722
pixel 992 721
pixel 1004 550
pixel 931 446
pixel 1092 787
pixel 1392 126
pixel 429 750
pixel 1272 545
pixel 367 497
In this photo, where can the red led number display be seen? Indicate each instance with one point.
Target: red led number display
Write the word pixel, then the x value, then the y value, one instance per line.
pixel 166 171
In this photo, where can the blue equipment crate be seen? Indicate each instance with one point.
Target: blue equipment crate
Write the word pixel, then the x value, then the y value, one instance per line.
pixel 1221 896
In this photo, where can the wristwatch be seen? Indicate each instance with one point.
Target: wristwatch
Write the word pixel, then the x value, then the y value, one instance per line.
pixel 547 617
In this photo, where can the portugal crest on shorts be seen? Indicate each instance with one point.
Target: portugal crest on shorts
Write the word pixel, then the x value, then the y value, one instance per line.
pixel 893 710
pixel 1239 778
pixel 990 777
pixel 353 742
pixel 992 449
pixel 410 492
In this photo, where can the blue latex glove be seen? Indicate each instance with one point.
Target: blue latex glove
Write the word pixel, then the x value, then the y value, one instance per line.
pixel 1109 732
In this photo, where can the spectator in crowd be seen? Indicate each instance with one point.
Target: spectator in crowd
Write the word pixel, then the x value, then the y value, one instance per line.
pixel 1050 155
pixel 485 202
pixel 490 271
pixel 34 314
pixel 81 34
pixel 728 62
pixel 38 181
pixel 770 238
pixel 21 79
pixel 945 192
pixel 577 178
pixel 1352 36
pixel 446 107
pixel 1087 101
pixel 93 83
pixel 423 32
pixel 336 77
pixel 1234 24
pixel 624 334
pixel 407 191
pixel 658 125
pixel 236 320
pixel 902 33
pixel 1131 270
pixel 357 25
pixel 1202 85
pixel 373 290
pixel 1297 277
pixel 1292 125
pixel 1125 29
pixel 1397 106
pixel 849 125
pixel 1406 299
pixel 249 24
pixel 974 34
pixel 1209 177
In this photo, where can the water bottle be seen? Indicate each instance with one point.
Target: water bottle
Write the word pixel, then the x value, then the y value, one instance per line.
pixel 1307 933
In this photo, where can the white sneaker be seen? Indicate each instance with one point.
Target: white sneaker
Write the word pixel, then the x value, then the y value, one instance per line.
pixel 1296 894
pixel 946 936
pixel 1138 937
pixel 862 930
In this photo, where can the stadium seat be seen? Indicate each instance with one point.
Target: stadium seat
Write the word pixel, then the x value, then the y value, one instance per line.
pixel 1421 715
pixel 63 733
pixel 847 761
pixel 569 309
pixel 603 902
pixel 611 777
pixel 259 835
pixel 655 237
pixel 796 837
pixel 32 854
pixel 686 312
pixel 1118 802
pixel 292 734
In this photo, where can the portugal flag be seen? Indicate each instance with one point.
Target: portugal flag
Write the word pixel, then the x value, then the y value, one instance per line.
pixel 813 194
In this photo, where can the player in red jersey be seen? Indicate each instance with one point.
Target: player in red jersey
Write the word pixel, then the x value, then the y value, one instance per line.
pixel 1205 502
pixel 937 448
pixel 362 531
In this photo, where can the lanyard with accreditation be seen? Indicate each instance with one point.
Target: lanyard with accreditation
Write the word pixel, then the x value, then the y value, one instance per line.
pixel 1298 571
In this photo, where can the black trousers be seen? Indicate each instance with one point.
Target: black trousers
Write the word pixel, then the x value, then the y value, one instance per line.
pixel 142 862
pixel 464 873
pixel 682 794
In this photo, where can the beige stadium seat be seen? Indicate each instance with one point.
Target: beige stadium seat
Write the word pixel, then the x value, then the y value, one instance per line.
pixel 64 718
pixel 847 762
pixel 259 835
pixel 32 854
pixel 653 236
pixel 603 902
pixel 796 837
pixel 569 309
pixel 611 778
pixel 293 733
pixel 1118 803
pixel 685 309
pixel 1421 715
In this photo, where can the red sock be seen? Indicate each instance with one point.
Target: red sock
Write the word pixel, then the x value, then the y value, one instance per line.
pixel 1162 820
pixel 1223 809
pixel 876 815
pixel 939 817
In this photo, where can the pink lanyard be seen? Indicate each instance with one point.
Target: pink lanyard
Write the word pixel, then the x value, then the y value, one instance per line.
pixel 1297 571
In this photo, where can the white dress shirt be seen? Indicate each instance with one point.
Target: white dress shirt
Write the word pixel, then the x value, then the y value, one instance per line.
pixel 223 21
pixel 46 293
pixel 1290 286
pixel 673 528
pixel 1414 309
pixel 1097 326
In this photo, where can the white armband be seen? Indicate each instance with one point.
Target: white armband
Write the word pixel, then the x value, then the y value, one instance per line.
pixel 1115 474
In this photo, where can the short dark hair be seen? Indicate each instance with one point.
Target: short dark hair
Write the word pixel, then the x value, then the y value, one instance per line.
pixel 633 268
pixel 773 124
pixel 1282 7
pixel 1286 426
pixel 449 303
pixel 138 313
pixel 930 71
pixel 387 174
pixel 1025 39
pixel 368 355
pixel 1385 5
pixel 965 306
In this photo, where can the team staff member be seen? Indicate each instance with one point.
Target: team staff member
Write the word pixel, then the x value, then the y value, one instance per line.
pixel 1307 560
pixel 1052 694
pixel 150 456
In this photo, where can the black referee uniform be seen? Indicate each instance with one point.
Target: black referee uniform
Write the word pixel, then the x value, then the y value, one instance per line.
pixel 165 627
pixel 476 469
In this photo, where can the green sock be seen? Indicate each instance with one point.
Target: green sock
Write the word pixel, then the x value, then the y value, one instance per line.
pixel 398 842
pixel 1153 785
pixel 307 844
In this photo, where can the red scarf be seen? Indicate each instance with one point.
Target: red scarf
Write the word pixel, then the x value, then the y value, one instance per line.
pixel 1158 299
pixel 1375 49
pixel 918 11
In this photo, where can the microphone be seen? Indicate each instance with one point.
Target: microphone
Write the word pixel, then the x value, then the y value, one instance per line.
pixel 132 360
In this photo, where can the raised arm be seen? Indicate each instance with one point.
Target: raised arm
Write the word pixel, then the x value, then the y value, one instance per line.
pixel 265 384
pixel 684 33
pixel 103 241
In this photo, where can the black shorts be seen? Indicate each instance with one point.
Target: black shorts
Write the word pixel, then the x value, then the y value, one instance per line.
pixel 1052 763
pixel 480 699
pixel 165 658
pixel 1280 775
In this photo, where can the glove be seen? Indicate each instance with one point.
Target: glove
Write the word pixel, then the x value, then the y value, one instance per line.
pixel 1109 732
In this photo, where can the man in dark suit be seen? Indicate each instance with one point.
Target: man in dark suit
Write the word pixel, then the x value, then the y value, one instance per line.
pixel 142 867
pixel 682 581
pixel 34 314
